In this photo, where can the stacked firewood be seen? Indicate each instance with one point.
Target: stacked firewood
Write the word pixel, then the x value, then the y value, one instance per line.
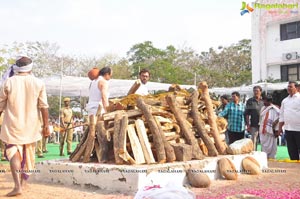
pixel 172 126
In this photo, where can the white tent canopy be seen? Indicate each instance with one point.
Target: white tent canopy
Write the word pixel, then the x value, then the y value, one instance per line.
pixel 79 86
pixel 248 90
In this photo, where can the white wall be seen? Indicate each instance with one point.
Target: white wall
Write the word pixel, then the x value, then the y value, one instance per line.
pixel 267 49
pixel 275 48
pixel 273 71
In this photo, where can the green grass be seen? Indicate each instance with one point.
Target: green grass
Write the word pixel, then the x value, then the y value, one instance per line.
pixel 281 154
pixel 53 152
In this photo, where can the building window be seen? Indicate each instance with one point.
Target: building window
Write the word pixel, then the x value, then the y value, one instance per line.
pixel 290 31
pixel 290 72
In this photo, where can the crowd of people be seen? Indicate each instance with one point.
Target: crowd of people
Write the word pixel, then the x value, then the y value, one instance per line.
pixel 263 120
pixel 26 128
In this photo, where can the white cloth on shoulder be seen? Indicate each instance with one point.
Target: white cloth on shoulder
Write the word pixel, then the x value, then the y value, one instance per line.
pixel 272 114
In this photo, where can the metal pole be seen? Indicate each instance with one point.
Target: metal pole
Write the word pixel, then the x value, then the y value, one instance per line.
pixel 60 93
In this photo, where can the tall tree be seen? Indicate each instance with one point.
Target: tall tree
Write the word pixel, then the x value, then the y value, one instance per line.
pixel 226 66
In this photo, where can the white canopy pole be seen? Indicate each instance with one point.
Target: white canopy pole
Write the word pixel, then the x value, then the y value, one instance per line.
pixel 60 93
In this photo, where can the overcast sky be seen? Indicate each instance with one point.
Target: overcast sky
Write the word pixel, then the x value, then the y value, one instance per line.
pixel 97 27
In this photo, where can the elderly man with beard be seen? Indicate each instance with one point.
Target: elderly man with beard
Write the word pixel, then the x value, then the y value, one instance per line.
pixel 23 98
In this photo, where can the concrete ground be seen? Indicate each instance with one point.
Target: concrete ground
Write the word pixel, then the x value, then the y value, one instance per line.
pixel 281 181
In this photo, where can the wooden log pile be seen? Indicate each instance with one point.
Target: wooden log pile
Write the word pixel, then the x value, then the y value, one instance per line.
pixel 172 126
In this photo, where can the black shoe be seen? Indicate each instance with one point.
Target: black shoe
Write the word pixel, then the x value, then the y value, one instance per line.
pixel 62 154
pixel 69 153
pixel 45 151
pixel 41 156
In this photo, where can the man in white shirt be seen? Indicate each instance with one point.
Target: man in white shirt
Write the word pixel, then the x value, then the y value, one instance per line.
pixel 139 87
pixel 289 117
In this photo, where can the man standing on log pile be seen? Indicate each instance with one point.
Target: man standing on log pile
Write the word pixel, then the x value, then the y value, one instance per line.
pixel 98 93
pixel 66 122
pixel 234 111
pixel 98 105
pixel 24 100
pixel 252 114
pixel 139 87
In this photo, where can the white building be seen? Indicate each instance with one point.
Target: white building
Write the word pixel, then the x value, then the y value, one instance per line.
pixel 276 40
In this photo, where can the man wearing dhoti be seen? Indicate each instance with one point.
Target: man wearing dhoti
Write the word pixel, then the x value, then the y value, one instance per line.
pixel 1 143
pixel 268 129
pixel 23 98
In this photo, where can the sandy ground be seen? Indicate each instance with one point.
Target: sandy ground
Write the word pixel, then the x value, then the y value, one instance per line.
pixel 284 179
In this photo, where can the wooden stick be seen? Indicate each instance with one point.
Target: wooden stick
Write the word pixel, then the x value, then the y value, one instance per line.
pixel 158 142
pixel 168 148
pixel 129 113
pixel 102 141
pixel 97 150
pixel 200 125
pixel 167 134
pixel 117 127
pixel 212 118
pixel 90 141
pixel 174 137
pixel 135 145
pixel 134 87
pixel 123 134
pixel 80 144
pixel 187 132
pixel 127 158
pixel 142 134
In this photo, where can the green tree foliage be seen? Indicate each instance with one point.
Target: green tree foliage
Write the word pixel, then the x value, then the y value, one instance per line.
pixel 161 63
pixel 53 102
pixel 224 66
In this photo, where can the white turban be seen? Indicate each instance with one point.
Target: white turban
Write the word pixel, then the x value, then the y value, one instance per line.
pixel 22 69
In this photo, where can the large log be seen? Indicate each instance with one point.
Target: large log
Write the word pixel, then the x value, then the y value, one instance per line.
pixel 90 141
pixel 135 145
pixel 123 134
pixel 183 152
pixel 142 134
pixel 129 113
pixel 122 151
pixel 134 87
pixel 200 125
pixel 158 142
pixel 168 148
pixel 212 118
pixel 186 131
pixel 117 127
pixel 102 151
pixel 79 147
pixel 97 150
